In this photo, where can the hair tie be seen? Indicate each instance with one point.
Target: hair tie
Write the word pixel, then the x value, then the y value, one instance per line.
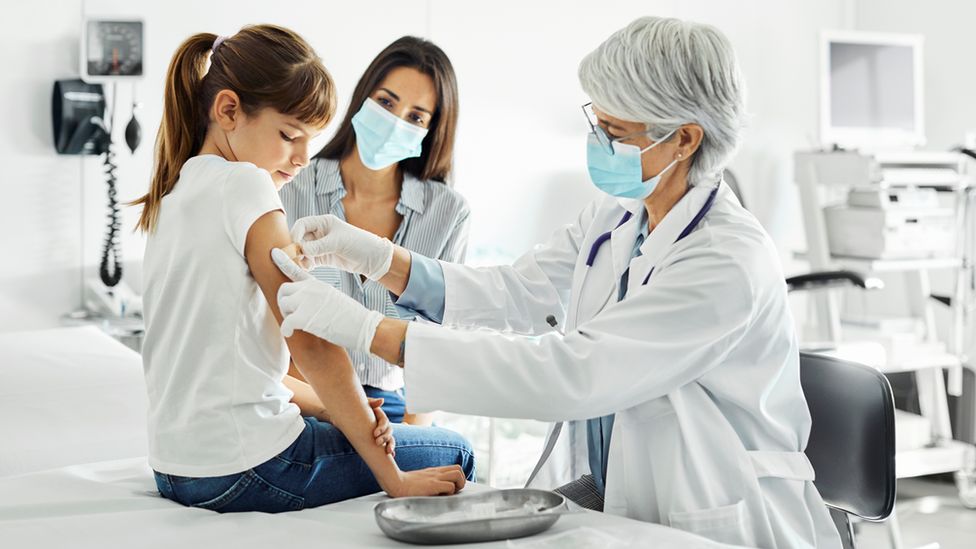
pixel 217 42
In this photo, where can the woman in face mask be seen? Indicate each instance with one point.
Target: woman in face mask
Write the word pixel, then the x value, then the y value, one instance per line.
pixel 655 322
pixel 386 171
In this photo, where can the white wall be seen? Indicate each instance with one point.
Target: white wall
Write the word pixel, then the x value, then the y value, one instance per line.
pixel 947 27
pixel 520 159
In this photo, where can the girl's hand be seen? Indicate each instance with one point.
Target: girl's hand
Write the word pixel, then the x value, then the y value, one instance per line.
pixel 384 429
pixel 435 481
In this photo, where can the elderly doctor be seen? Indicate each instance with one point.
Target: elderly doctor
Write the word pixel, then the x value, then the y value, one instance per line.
pixel 659 315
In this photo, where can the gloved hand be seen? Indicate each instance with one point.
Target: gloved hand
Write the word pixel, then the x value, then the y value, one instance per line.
pixel 315 307
pixel 329 241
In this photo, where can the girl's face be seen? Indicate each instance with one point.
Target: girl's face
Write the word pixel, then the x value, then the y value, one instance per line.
pixel 268 139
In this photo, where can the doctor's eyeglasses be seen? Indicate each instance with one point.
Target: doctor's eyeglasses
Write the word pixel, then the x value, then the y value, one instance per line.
pixel 603 138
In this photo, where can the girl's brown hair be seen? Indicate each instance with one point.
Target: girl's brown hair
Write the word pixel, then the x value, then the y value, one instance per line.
pixel 265 65
pixel 435 160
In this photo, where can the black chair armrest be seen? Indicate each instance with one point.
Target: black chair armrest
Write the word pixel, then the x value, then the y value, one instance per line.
pixel 831 279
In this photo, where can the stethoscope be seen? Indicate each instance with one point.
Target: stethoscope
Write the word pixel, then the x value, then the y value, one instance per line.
pixel 602 239
pixel 594 249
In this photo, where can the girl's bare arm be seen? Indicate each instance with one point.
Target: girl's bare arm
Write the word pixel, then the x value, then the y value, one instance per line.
pixel 328 371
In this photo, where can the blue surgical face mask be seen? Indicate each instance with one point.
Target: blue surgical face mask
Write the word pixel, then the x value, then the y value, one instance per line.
pixel 384 139
pixel 620 174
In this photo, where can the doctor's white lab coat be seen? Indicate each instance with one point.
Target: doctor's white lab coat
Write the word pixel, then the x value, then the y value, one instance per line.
pixel 700 366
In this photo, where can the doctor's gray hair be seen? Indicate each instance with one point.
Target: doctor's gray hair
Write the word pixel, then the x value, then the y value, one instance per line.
pixel 666 73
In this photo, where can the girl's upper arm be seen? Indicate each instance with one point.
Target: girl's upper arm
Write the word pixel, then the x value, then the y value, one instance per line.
pixel 268 232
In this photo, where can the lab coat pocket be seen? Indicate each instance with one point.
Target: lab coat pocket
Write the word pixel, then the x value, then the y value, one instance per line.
pixel 726 524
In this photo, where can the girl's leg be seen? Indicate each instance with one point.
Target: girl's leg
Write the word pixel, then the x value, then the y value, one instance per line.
pixel 393 404
pixel 324 468
pixel 245 491
pixel 320 467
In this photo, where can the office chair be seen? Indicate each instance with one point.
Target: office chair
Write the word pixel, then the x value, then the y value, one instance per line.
pixel 852 439
pixel 831 279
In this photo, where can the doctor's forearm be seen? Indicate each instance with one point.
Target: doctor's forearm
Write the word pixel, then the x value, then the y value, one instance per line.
pixel 388 341
pixel 395 280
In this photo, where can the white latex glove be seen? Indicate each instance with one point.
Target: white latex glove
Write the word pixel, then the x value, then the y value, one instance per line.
pixel 315 307
pixel 329 241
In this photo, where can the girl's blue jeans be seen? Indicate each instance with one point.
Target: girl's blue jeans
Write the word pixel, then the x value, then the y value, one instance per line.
pixel 320 467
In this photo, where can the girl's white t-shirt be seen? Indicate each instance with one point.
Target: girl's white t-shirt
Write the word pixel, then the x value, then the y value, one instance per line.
pixel 213 355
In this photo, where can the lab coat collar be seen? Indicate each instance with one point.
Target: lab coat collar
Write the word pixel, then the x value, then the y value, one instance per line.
pixel 659 242
pixel 328 180
pixel 622 241
pixel 632 205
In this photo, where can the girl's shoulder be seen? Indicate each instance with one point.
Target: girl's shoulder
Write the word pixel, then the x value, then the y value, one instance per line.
pixel 210 173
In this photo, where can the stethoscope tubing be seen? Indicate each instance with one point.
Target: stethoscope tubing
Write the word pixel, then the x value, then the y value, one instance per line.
pixel 603 238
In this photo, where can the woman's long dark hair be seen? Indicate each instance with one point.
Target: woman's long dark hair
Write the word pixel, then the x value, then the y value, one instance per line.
pixel 436 159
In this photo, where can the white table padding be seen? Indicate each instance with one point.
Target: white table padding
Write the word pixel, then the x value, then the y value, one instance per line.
pixel 115 504
pixel 68 396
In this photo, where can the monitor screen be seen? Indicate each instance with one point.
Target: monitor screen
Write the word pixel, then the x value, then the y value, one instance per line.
pixel 872 86
pixel 872 92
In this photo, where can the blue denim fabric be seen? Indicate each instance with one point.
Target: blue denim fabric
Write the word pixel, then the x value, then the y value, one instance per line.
pixel 394 404
pixel 320 467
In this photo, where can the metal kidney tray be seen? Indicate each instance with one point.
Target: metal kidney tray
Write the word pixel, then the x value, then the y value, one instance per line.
pixel 485 516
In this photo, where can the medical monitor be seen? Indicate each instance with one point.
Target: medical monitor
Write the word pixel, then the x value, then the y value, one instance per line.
pixel 871 91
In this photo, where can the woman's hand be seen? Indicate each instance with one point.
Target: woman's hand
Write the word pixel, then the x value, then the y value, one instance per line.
pixel 330 241
pixel 384 429
pixel 317 308
pixel 435 481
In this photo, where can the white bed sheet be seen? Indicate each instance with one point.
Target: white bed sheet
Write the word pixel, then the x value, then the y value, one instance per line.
pixel 68 396
pixel 72 398
pixel 115 504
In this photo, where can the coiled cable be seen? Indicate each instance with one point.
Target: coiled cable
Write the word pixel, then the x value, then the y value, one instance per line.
pixel 110 269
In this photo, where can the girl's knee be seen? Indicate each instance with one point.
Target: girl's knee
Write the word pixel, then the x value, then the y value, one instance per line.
pixel 465 453
pixel 435 446
pixel 467 463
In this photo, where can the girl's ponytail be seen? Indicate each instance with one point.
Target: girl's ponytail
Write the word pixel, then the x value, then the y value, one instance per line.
pixel 265 65
pixel 183 126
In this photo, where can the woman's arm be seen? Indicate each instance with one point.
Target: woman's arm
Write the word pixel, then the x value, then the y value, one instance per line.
pixel 519 297
pixel 661 337
pixel 454 251
pixel 328 371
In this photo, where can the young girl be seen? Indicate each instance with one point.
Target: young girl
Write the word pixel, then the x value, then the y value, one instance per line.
pixel 226 425
pixel 385 171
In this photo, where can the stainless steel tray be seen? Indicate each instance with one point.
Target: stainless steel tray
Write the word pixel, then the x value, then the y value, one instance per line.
pixel 486 516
